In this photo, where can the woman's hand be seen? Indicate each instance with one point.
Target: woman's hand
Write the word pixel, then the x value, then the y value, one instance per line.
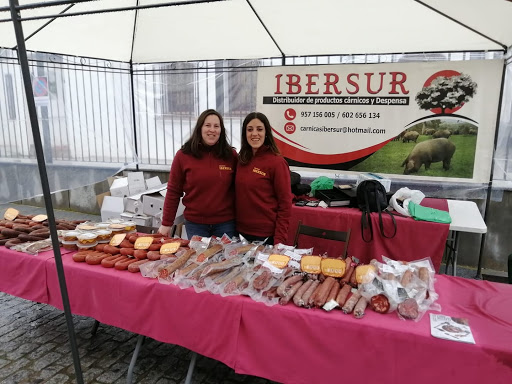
pixel 164 230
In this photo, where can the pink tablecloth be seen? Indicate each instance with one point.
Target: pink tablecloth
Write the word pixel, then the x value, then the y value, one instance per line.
pixel 294 345
pixel 413 240
pixel 290 344
pixel 202 322
pixel 24 275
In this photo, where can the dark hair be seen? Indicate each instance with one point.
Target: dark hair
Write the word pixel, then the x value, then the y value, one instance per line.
pixel 193 146
pixel 246 150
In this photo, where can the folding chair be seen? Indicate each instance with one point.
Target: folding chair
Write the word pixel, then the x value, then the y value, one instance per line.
pixel 327 234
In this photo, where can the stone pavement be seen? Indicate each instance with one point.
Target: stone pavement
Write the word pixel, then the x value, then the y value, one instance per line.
pixel 34 348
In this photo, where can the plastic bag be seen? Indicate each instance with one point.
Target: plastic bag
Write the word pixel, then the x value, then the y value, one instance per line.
pixel 419 212
pixel 401 198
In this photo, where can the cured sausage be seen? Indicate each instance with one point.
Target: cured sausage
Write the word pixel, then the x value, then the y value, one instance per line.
pixel 334 291
pixel 406 278
pixel 234 284
pixel 287 284
pixel 408 309
pixel 177 264
pixel 360 307
pixel 110 261
pixel 307 295
pixel 94 258
pixel 297 298
pixel 262 280
pixel 290 293
pixel 323 293
pixel 135 267
pixel 351 303
pixel 221 266
pixel 123 265
pixel 342 296
pixel 380 303
pixel 424 275
pixel 209 253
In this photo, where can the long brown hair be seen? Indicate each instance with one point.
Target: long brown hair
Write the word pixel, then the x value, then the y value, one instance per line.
pixel 193 146
pixel 246 150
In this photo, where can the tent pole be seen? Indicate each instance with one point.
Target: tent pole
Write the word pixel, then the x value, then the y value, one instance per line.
pixel 134 117
pixel 489 185
pixel 25 70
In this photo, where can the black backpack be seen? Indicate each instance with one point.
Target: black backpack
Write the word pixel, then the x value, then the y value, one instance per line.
pixel 371 197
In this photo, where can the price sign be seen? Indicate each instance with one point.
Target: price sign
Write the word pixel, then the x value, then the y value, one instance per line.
pixel 143 242
pixel 39 218
pixel 169 248
pixel 333 267
pixel 117 239
pixel 11 214
pixel 278 261
pixel 311 264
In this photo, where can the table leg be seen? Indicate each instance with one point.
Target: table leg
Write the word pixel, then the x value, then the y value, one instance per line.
pixel 191 367
pixel 95 327
pixel 140 340
pixel 452 244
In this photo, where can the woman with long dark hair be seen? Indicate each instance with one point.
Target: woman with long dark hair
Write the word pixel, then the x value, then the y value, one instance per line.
pixel 262 184
pixel 203 170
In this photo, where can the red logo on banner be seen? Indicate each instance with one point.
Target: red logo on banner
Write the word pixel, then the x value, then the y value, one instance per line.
pixel 290 114
pixel 289 128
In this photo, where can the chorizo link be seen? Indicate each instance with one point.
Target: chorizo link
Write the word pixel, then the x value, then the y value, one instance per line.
pixel 290 293
pixel 342 296
pixel 287 284
pixel 360 307
pixel 321 297
pixel 351 303
pixel 298 297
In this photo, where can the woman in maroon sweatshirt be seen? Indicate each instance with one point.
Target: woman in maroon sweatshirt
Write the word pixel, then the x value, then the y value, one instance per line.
pixel 262 184
pixel 203 169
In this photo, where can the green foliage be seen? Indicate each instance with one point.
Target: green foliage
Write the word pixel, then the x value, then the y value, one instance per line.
pixel 390 157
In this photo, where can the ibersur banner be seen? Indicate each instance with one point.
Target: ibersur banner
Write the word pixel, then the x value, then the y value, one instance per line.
pixel 427 120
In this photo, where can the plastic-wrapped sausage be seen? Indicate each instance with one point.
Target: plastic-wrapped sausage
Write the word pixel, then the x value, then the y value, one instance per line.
pixel 322 295
pixel 342 296
pixel 298 297
pixel 290 293
pixel 408 309
pixel 307 294
pixel 287 284
pixel 311 301
pixel 424 275
pixel 360 307
pixel 406 278
pixel 334 291
pixel 351 303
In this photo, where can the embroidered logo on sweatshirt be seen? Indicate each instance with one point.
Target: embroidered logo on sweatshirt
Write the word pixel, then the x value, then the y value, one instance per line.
pixel 225 167
pixel 259 171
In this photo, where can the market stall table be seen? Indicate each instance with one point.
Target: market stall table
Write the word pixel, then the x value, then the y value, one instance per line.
pixel 24 275
pixel 413 240
pixel 295 345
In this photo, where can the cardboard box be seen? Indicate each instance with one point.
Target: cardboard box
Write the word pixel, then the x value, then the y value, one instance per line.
pixel 153 182
pixel 137 219
pixel 136 183
pixel 119 187
pixel 133 205
pixel 112 207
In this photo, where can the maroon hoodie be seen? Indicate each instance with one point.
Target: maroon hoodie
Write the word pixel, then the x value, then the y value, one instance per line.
pixel 208 185
pixel 263 196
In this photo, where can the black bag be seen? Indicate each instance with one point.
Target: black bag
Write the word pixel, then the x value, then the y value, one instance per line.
pixel 371 197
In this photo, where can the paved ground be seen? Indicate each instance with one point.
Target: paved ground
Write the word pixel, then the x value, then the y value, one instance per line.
pixel 34 345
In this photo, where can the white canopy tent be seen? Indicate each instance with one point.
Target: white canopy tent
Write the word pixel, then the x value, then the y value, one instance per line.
pixel 158 31
pixel 169 31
